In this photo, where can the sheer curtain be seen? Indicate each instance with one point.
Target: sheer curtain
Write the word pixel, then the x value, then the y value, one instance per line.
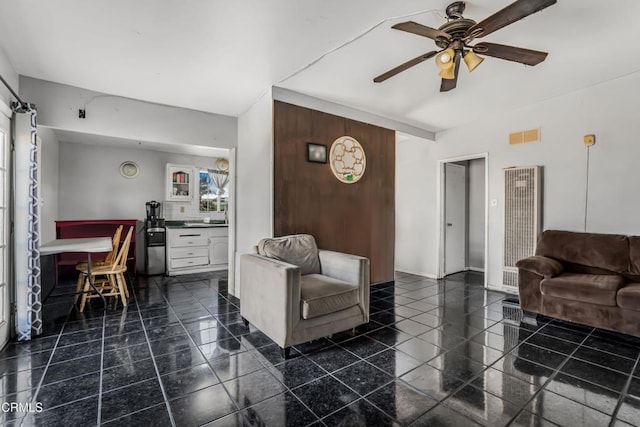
pixel 220 179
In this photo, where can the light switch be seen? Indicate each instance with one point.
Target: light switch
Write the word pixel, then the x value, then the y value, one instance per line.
pixel 181 209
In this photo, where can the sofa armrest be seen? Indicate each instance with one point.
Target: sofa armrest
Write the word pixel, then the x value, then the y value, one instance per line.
pixel 349 268
pixel 270 295
pixel 540 265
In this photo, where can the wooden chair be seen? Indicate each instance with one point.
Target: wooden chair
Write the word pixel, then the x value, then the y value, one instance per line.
pixel 109 279
pixel 81 266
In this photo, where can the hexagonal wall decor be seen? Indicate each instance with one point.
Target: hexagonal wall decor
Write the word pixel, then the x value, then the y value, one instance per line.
pixel 347 160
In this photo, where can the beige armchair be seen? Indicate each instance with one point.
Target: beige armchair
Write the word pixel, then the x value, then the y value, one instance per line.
pixel 295 293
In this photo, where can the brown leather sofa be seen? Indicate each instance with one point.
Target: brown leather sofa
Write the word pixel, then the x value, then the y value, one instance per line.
pixel 588 278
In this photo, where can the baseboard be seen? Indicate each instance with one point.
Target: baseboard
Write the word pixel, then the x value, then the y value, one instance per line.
pixel 417 273
pixel 476 269
pixel 504 289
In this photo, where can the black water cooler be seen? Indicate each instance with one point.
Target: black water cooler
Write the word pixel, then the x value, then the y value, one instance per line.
pixel 154 240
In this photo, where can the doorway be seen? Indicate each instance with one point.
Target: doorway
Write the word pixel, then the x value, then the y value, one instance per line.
pixel 463 215
pixel 455 216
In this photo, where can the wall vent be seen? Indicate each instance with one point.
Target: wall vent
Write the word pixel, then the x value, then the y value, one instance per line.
pixel 524 136
pixel 522 219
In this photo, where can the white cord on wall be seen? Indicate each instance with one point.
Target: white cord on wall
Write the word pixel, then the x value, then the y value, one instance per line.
pixel 586 192
pixel 436 12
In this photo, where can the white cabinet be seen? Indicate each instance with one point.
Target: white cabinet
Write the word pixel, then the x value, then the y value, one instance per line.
pixel 180 182
pixel 196 250
pixel 219 250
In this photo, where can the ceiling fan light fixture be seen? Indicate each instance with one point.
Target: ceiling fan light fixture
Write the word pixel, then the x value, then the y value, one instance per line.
pixel 456 36
pixel 444 60
pixel 472 60
pixel 448 73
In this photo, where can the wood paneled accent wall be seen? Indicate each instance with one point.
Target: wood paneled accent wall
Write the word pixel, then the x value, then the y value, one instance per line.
pixel 355 218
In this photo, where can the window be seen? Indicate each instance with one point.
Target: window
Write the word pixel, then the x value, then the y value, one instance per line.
pixel 214 193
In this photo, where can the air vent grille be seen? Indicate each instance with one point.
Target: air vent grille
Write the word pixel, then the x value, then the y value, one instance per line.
pixel 524 136
pixel 522 218
pixel 510 278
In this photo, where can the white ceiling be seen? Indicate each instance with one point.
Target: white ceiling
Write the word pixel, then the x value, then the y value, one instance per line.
pixel 109 141
pixel 220 55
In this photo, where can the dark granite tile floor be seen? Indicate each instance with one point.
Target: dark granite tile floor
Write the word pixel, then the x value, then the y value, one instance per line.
pixel 442 352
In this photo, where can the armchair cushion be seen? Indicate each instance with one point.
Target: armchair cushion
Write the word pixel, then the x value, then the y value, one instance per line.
pixel 299 249
pixel 320 295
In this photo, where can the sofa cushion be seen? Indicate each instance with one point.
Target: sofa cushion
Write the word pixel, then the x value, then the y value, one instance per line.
pixel 605 251
pixel 634 255
pixel 321 295
pixel 299 249
pixel 591 288
pixel 629 297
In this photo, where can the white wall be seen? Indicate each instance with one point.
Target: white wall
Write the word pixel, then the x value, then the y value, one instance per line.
pixel 91 187
pixel 49 170
pixel 415 171
pixel 475 204
pixel 609 110
pixel 254 179
pixel 120 117
pixel 10 75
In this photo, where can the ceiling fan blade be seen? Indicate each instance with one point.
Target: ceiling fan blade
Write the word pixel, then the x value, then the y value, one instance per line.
pixel 510 53
pixel 421 30
pixel 400 68
pixel 510 14
pixel 447 84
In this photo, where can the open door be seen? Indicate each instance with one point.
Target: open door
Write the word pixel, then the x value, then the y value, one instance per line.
pixel 455 218
pixel 5 314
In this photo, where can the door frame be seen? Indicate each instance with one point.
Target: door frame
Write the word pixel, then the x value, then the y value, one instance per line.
pixel 9 285
pixel 232 283
pixel 441 213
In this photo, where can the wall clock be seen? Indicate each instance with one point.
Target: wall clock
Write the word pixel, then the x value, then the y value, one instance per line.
pixel 347 159
pixel 129 169
pixel 222 164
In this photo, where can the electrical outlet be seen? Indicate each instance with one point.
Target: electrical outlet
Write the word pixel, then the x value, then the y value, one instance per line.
pixel 181 209
pixel 82 114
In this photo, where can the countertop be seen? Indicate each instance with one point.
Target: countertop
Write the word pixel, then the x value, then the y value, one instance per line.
pixel 195 224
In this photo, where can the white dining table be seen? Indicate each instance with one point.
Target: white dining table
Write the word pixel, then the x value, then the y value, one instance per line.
pixel 88 245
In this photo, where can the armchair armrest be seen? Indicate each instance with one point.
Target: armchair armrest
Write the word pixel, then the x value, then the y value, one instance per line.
pixel 540 265
pixel 270 295
pixel 349 268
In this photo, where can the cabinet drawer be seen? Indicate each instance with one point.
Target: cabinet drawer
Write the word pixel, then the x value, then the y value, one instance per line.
pixel 189 252
pixel 189 262
pixel 190 239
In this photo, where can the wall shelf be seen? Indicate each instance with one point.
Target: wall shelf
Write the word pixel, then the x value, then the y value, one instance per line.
pixel 179 182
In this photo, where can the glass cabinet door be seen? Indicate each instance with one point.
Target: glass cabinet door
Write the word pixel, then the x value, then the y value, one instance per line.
pixel 179 182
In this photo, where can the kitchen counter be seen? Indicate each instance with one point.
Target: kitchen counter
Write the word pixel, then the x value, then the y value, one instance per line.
pixel 195 224
pixel 196 247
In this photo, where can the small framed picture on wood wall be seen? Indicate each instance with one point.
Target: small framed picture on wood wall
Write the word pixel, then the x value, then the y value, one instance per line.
pixel 316 152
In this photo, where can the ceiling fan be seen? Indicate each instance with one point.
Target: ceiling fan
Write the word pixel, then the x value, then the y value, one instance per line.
pixel 456 35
